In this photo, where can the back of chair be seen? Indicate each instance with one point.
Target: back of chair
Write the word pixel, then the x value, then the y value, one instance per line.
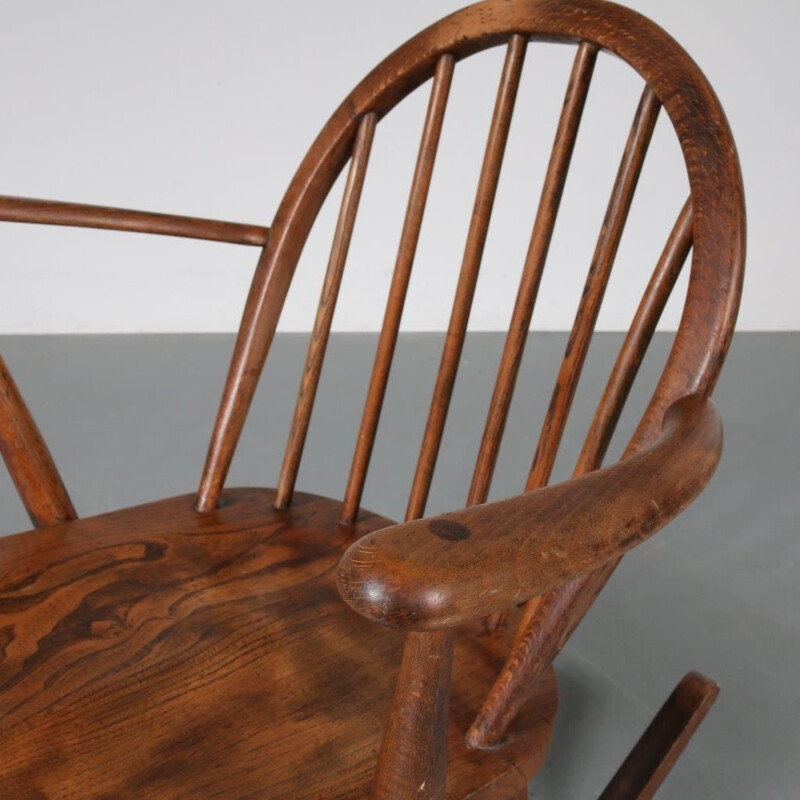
pixel 711 224
pixel 712 221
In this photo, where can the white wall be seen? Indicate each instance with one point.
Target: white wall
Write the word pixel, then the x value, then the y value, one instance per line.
pixel 205 107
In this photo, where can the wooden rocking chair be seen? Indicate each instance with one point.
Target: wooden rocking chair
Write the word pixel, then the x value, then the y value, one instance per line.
pixel 199 646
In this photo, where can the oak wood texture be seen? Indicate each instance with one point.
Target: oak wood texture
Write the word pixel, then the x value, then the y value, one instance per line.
pixel 545 627
pixel 468 277
pixel 637 340
pixel 689 102
pixel 162 652
pixel 53 212
pixel 197 647
pixel 446 570
pixel 28 459
pixel 409 238
pixel 596 282
pixel 412 761
pixel 554 182
pixel 549 620
pixel 325 310
pixel 660 746
pixel 717 199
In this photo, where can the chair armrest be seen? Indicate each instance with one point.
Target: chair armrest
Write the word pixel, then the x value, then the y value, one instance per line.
pixel 443 571
pixel 52 212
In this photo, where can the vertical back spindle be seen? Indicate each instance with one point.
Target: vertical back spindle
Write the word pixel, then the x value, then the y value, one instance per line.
pixel 596 282
pixel 325 310
pixel 636 342
pixel 407 249
pixel 589 307
pixel 548 621
pixel 28 460
pixel 541 236
pixel 465 290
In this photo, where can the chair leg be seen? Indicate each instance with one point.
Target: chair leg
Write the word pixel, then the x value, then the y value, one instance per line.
pixel 412 761
pixel 660 746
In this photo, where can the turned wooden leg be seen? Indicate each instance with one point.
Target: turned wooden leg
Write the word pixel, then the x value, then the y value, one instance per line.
pixel 412 762
pixel 654 755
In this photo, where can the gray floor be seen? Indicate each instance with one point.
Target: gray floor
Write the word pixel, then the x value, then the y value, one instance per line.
pixel 128 419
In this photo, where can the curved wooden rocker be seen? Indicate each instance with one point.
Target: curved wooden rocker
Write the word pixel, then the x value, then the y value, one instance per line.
pixel 197 647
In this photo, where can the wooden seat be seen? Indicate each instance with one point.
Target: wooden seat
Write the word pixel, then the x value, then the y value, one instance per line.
pixel 219 643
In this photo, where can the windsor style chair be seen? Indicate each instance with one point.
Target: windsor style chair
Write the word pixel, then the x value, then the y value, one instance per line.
pixel 197 647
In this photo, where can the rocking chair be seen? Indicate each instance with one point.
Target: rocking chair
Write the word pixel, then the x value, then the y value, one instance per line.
pixel 268 643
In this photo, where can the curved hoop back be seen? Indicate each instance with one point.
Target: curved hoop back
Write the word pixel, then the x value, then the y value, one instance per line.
pixel 713 223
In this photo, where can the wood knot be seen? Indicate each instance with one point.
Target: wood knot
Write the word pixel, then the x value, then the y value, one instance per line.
pixel 449 530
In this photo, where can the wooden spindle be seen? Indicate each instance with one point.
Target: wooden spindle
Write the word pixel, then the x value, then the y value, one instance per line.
pixel 548 621
pixel 81 215
pixel 325 310
pixel 596 282
pixel 546 624
pixel 28 460
pixel 265 300
pixel 476 240
pixel 636 342
pixel 660 746
pixel 541 236
pixel 599 272
pixel 412 761
pixel 407 249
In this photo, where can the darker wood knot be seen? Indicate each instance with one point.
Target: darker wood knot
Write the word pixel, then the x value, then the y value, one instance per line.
pixel 449 530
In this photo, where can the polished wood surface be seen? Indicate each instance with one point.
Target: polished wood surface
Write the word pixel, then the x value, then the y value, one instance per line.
pixel 413 757
pixel 637 340
pixel 519 327
pixel 549 620
pixel 660 746
pixel 28 459
pixel 596 282
pixel 409 238
pixel 327 305
pixel 674 79
pixel 422 575
pixel 52 212
pixel 165 653
pixel 197 647
pixel 468 277
pixel 544 629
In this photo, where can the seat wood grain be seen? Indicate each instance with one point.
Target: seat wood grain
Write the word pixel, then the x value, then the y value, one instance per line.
pixel 161 652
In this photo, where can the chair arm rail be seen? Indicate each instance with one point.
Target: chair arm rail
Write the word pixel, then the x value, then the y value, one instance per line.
pixel 53 212
pixel 443 571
